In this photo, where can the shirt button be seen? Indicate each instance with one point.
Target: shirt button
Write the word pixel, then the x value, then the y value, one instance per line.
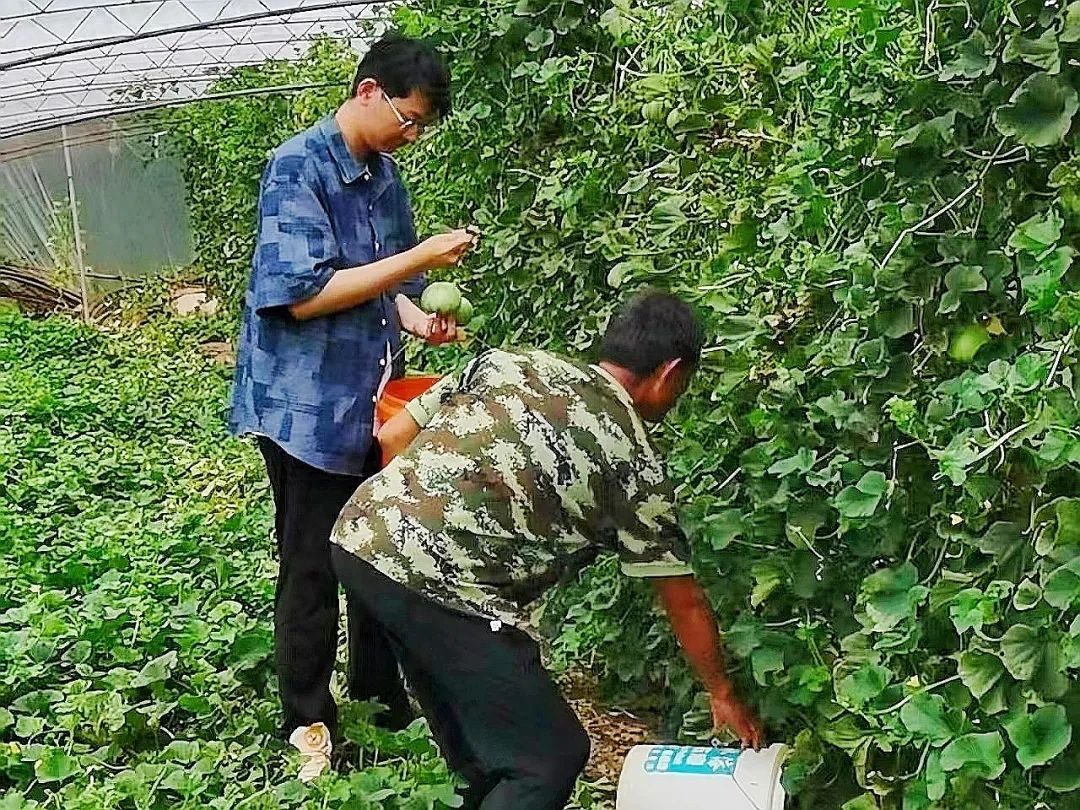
pixel 375 399
pixel 382 362
pixel 377 247
pixel 384 321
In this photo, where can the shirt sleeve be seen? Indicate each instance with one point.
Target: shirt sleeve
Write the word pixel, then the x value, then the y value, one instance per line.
pixel 296 253
pixel 650 541
pixel 424 407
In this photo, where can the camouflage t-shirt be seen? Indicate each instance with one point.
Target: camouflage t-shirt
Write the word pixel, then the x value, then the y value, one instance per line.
pixel 526 468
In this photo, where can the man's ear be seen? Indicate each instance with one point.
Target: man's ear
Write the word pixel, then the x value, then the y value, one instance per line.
pixel 367 89
pixel 668 373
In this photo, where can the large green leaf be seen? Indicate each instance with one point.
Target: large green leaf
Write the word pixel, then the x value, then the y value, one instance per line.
pixel 1027 595
pixel 1022 651
pixel 13 800
pixel 159 669
pixel 961 279
pixel 936 779
pixel 1063 776
pixel 539 38
pixel 1068 523
pixel 927 716
pixel 1042 52
pixel 979 671
pixel 55 765
pixel 980 755
pixel 844 733
pixel 251 648
pixel 1040 736
pixel 1039 233
pixel 1070 31
pixel 768 576
pixel 862 499
pixel 765 660
pixel 862 685
pixel 971 608
pixel 723 527
pixel 1003 540
pixel 972 59
pixel 891 595
pixel 801 462
pixel 1040 112
pixel 1035 655
pixel 1062 586
pixel 1057 529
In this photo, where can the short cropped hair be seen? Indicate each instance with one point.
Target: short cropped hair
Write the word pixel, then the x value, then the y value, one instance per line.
pixel 400 65
pixel 651 329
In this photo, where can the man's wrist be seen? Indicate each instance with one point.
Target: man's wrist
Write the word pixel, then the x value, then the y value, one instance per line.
pixel 421 260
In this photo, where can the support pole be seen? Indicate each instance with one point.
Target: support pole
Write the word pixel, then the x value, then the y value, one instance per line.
pixel 73 202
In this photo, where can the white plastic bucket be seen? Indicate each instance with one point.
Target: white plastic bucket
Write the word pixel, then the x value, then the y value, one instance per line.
pixel 662 777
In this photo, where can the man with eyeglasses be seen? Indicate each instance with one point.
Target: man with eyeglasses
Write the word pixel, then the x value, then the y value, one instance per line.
pixel 336 264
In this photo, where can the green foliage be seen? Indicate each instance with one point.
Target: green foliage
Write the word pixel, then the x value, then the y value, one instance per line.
pixel 888 529
pixel 136 589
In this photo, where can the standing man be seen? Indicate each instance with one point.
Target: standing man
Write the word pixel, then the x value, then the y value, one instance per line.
pixel 510 477
pixel 335 262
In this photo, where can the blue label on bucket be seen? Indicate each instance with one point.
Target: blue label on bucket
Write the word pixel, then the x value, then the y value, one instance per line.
pixel 688 759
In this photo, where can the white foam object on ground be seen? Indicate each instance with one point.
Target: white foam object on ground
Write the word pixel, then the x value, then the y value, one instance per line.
pixel 661 777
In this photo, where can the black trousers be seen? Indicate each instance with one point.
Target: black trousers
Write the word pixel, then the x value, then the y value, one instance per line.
pixel 307 501
pixel 496 714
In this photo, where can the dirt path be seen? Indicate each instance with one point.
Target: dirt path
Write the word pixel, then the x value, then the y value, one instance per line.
pixel 613 731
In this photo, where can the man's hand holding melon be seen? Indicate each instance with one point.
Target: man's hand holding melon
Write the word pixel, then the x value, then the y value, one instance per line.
pixel 443 309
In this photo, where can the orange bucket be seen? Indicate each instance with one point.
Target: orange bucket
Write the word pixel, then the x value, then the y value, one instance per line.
pixel 396 394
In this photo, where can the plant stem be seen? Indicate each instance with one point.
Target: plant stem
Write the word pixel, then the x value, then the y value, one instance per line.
pixel 917 692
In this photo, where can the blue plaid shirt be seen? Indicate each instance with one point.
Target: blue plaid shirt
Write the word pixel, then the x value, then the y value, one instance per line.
pixel 310 386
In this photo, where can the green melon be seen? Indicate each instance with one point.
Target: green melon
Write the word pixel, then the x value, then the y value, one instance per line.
pixel 967 341
pixel 655 111
pixel 441 297
pixel 464 311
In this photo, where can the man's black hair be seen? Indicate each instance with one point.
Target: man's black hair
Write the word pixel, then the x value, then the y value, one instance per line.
pixel 651 329
pixel 400 65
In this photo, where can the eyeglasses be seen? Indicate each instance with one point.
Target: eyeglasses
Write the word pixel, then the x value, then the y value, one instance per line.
pixel 406 123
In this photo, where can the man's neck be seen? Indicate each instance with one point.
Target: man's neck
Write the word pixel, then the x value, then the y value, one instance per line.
pixel 623 376
pixel 346 121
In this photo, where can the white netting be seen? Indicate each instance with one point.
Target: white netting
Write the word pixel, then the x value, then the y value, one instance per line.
pixel 64 61
pixel 81 71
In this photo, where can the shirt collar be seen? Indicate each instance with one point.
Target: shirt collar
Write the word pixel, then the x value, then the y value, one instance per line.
pixel 621 393
pixel 349 167
pixel 624 397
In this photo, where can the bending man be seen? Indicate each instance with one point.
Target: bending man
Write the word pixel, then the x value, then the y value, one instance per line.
pixel 512 476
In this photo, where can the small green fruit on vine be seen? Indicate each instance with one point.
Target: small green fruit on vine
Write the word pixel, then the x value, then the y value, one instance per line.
pixel 967 341
pixel 654 111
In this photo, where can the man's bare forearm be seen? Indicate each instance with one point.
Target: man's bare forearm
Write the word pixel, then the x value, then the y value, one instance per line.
pixel 354 285
pixel 692 620
pixel 695 627
pixel 397 434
